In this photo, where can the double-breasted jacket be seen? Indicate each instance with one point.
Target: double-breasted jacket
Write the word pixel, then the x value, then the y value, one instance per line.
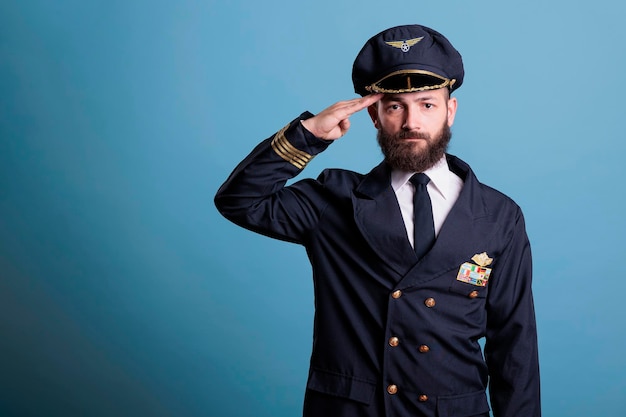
pixel 394 335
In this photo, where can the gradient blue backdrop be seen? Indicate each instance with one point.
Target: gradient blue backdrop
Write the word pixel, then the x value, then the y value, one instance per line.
pixel 124 293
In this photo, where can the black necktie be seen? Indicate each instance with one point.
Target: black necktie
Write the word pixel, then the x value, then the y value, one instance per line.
pixel 424 228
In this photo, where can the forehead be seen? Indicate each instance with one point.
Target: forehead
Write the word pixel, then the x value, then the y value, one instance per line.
pixel 438 94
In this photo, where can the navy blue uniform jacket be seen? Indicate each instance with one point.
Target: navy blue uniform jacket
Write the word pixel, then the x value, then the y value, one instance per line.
pixel 394 336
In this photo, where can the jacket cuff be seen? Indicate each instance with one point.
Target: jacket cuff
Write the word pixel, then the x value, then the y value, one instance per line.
pixel 296 145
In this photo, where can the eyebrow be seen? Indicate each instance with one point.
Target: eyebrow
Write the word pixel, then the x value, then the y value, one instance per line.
pixel 399 98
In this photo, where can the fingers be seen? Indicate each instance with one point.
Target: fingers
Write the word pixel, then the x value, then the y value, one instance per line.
pixel 332 122
pixel 371 99
pixel 344 125
pixel 349 107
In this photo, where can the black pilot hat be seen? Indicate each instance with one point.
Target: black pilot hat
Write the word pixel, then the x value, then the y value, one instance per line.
pixel 404 59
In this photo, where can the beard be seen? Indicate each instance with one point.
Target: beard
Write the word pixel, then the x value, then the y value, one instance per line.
pixel 406 156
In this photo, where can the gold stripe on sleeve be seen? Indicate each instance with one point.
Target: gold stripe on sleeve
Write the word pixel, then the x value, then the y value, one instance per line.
pixel 288 152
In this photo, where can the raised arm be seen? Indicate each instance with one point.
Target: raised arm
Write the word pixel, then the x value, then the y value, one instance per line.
pixel 255 197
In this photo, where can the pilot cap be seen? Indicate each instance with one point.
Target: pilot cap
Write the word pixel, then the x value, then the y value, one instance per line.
pixel 404 59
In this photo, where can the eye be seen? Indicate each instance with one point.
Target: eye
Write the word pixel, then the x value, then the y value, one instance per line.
pixel 428 105
pixel 394 107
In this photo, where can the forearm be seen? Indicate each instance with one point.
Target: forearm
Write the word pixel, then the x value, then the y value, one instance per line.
pixel 254 195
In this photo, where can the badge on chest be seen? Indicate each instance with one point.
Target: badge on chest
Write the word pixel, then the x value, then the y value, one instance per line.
pixel 476 273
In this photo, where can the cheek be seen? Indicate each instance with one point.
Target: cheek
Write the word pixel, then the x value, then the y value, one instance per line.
pixel 389 124
pixel 438 120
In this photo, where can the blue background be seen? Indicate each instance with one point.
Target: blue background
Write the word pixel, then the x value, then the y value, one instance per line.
pixel 124 293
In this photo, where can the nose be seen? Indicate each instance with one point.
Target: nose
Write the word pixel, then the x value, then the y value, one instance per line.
pixel 412 120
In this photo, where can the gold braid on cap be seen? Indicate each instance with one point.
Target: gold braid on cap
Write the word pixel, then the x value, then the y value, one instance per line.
pixel 288 152
pixel 376 88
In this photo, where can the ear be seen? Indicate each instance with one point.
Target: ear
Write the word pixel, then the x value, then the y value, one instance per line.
pixel 373 112
pixel 452 104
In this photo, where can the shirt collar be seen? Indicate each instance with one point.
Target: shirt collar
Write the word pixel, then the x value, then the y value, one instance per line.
pixel 439 174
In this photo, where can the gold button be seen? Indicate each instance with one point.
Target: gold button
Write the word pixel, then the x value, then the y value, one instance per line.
pixel 473 294
pixel 423 398
pixel 392 389
pixel 430 302
pixel 394 341
pixel 424 348
pixel 396 294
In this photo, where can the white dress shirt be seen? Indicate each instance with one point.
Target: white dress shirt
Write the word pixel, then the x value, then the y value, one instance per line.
pixel 444 189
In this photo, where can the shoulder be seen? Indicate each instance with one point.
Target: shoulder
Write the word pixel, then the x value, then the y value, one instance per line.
pixel 493 194
pixel 339 179
pixel 495 201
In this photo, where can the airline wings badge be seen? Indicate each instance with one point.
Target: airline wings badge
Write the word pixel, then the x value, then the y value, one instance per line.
pixel 404 46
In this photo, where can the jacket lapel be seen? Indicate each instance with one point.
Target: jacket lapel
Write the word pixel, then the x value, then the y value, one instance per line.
pixel 378 217
pixel 465 232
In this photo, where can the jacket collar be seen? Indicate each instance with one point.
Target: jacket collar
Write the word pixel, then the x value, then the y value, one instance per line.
pixel 378 217
pixel 465 232
pixel 376 182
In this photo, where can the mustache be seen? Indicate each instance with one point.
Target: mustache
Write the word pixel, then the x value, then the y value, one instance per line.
pixel 412 134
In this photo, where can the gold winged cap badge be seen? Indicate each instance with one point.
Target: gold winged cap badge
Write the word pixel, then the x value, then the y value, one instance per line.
pixel 404 45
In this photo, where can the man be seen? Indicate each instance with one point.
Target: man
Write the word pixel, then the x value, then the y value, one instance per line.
pixel 413 262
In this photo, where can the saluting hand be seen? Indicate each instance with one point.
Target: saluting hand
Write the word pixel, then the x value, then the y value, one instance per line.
pixel 333 122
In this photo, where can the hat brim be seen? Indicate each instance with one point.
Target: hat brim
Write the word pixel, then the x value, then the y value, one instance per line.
pixel 408 81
